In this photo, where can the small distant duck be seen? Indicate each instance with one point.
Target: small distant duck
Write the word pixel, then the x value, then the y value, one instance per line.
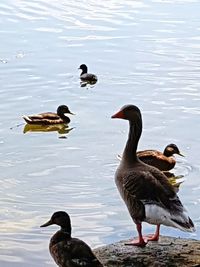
pixel 49 118
pixel 85 76
pixel 163 161
pixel 146 191
pixel 65 250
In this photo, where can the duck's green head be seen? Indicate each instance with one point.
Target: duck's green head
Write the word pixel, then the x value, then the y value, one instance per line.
pixel 62 109
pixel 60 218
pixel 84 68
pixel 172 149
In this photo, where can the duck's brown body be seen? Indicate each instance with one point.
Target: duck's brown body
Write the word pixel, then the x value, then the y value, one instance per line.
pixel 164 161
pixel 157 159
pixel 67 251
pixel 71 252
pixel 49 118
pixel 44 119
pixel 146 191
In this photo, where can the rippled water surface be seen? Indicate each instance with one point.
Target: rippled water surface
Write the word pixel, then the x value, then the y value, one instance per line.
pixel 144 52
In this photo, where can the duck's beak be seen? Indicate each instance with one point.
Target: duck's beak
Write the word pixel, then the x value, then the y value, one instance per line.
pixel 47 224
pixel 71 113
pixel 118 115
pixel 181 154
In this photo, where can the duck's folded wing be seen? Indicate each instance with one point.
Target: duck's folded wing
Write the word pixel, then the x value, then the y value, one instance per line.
pixel 46 115
pixel 74 253
pixel 82 254
pixel 150 155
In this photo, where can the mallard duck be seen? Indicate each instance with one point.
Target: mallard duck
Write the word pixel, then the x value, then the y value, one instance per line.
pixel 48 118
pixel 85 76
pixel 163 161
pixel 146 191
pixel 65 250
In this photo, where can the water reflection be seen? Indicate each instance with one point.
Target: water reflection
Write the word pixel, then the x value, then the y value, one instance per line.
pixel 146 53
pixel 88 84
pixel 60 128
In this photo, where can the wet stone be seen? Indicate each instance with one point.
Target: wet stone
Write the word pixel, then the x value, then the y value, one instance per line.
pixel 168 252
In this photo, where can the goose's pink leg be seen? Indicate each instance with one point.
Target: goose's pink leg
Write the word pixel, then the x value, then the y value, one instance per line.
pixel 140 241
pixel 155 237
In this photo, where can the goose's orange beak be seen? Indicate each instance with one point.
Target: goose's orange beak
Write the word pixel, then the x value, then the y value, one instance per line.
pixel 118 115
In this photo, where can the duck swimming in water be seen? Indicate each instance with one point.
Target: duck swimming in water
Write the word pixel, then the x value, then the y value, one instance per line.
pixel 146 191
pixel 163 161
pixel 49 118
pixel 85 76
pixel 66 250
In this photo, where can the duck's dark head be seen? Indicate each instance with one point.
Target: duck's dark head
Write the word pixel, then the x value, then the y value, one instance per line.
pixel 84 68
pixel 62 109
pixel 128 112
pixel 60 218
pixel 172 149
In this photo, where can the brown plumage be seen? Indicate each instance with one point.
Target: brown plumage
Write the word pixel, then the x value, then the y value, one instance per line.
pixel 163 161
pixel 147 193
pixel 49 118
pixel 67 251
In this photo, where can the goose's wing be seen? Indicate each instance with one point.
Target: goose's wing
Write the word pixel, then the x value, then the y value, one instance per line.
pixel 146 186
pixel 153 193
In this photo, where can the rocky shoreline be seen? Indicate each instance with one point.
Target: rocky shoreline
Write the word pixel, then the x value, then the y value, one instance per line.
pixel 168 252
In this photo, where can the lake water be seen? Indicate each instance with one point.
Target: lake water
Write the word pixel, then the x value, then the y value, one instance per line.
pixel 144 52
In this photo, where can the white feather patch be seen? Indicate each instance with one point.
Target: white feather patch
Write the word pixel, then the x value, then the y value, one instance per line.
pixel 157 215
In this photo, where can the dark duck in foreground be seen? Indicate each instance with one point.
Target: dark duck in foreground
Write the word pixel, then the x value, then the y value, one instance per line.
pixel 85 76
pixel 65 250
pixel 49 118
pixel 163 161
pixel 146 191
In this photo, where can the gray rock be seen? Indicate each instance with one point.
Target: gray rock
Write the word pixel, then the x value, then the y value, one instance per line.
pixel 168 252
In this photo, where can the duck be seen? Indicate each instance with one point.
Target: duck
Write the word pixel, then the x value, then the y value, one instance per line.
pixel 146 191
pixel 163 161
pixel 87 77
pixel 66 250
pixel 50 118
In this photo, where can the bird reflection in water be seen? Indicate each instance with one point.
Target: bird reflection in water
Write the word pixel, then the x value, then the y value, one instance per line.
pixel 88 84
pixel 62 129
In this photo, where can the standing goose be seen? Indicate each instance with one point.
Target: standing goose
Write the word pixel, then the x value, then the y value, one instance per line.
pixel 145 190
pixel 49 118
pixel 65 250
pixel 85 76
pixel 163 161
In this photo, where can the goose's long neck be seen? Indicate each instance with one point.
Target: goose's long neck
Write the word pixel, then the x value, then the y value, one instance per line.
pixel 135 130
